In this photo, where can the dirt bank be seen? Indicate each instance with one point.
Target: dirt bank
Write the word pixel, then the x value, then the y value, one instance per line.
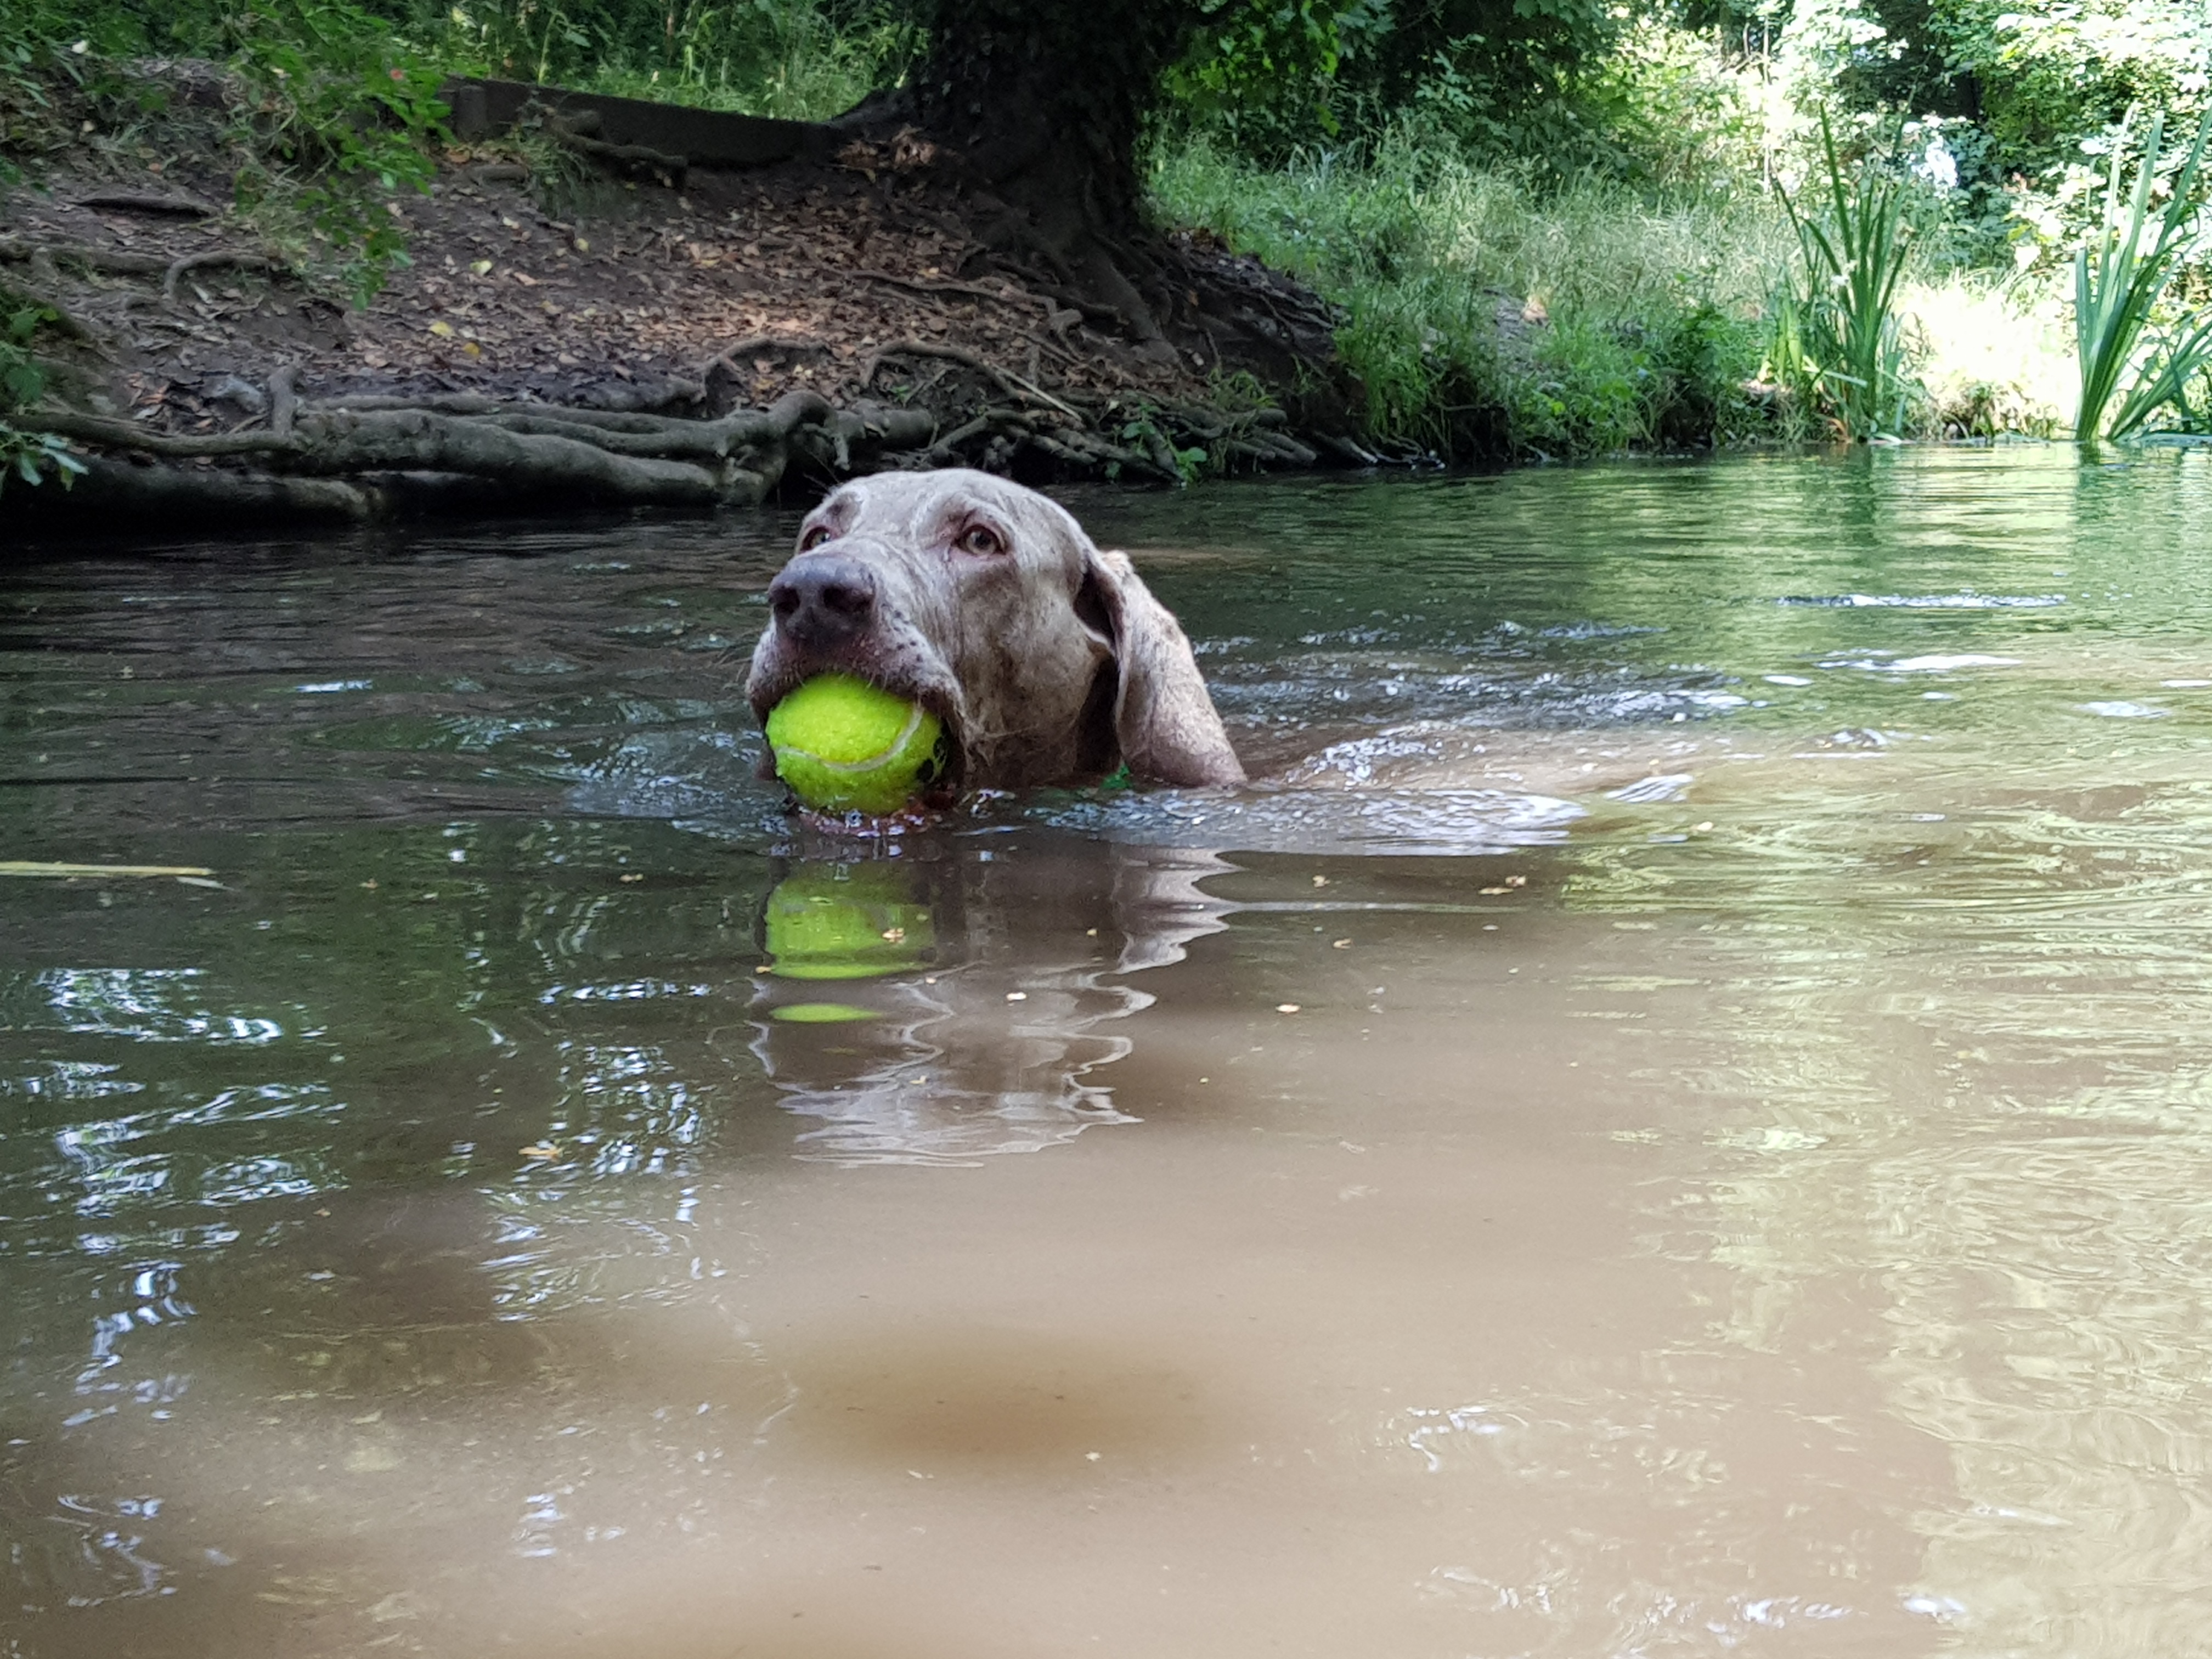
pixel 579 325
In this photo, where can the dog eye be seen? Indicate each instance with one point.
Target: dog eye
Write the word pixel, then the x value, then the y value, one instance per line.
pixel 982 540
pixel 814 536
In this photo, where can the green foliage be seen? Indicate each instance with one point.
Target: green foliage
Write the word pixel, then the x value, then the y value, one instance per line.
pixel 336 116
pixel 1838 342
pixel 2117 284
pixel 2051 73
pixel 26 455
pixel 2020 96
pixel 796 59
pixel 1664 106
pixel 1265 77
pixel 1499 77
pixel 1141 430
pixel 344 119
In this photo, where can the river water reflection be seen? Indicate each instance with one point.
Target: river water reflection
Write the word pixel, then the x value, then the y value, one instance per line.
pixel 1676 1117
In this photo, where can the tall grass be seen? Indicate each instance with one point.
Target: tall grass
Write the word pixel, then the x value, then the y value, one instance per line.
pixel 1486 313
pixel 2117 285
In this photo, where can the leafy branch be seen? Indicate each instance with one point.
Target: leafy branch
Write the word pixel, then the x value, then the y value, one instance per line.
pixel 28 455
pixel 347 117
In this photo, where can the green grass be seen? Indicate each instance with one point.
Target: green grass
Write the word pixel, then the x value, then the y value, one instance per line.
pixel 1486 314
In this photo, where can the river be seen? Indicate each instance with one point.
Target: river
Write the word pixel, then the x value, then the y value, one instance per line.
pixel 1674 1117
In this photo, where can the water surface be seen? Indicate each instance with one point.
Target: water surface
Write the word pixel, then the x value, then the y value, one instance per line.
pixel 1674 1118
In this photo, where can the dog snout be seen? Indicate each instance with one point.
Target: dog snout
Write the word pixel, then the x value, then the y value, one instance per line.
pixel 823 599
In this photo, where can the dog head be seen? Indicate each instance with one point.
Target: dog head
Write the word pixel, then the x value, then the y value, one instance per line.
pixel 1048 660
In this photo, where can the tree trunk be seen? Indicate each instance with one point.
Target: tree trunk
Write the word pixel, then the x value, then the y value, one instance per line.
pixel 1044 102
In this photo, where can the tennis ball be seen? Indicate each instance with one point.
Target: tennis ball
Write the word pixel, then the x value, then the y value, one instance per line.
pixel 844 746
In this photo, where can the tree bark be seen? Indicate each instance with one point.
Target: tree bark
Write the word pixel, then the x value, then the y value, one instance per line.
pixel 1044 103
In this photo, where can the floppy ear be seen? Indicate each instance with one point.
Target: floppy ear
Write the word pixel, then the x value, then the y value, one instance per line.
pixel 1163 721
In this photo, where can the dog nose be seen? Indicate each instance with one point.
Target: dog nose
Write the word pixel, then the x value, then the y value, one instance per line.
pixel 823 599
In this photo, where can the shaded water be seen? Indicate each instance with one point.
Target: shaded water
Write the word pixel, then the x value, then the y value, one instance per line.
pixel 1677 1118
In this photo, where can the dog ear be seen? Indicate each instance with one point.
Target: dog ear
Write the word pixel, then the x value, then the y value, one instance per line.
pixel 1164 721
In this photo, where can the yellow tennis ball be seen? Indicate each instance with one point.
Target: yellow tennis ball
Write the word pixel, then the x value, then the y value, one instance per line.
pixel 844 746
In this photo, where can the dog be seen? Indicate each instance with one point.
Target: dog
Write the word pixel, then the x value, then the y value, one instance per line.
pixel 1049 661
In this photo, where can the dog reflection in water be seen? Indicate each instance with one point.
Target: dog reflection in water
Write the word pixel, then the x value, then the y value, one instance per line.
pixel 940 1011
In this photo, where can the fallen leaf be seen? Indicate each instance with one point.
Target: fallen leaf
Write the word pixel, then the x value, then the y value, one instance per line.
pixel 442 329
pixel 480 267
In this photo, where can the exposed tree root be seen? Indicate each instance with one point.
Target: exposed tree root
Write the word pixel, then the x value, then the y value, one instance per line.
pixel 1013 385
pixel 20 249
pixel 191 262
pixel 44 258
pixel 364 456
pixel 579 130
pixel 166 207
pixel 118 491
pixel 966 291
pixel 125 435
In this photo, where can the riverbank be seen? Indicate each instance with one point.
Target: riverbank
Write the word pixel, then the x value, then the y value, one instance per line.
pixel 573 324
pixel 601 301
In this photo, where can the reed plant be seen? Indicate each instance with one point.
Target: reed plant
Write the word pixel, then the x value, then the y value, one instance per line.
pixel 1838 340
pixel 2118 286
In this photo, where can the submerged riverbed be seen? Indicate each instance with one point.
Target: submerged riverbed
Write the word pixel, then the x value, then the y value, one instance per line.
pixel 1676 1117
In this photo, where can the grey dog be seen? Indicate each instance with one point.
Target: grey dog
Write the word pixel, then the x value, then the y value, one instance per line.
pixel 1048 660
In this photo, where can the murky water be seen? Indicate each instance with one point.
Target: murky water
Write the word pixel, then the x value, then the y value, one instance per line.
pixel 1676 1119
